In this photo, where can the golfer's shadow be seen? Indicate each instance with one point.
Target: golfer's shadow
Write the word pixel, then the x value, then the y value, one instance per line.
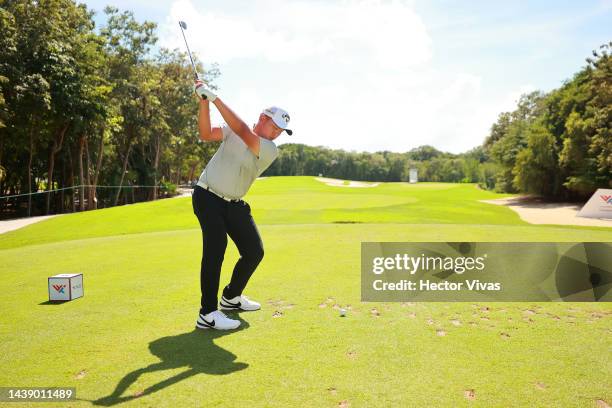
pixel 195 350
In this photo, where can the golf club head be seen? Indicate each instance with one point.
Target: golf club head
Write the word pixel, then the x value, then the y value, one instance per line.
pixel 183 25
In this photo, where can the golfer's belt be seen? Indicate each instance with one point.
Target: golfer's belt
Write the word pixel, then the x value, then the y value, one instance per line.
pixel 233 200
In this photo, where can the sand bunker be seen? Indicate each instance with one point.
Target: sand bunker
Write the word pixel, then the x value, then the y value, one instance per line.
pixel 536 211
pixel 341 183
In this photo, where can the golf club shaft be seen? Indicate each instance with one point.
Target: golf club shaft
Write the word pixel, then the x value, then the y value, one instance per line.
pixel 195 73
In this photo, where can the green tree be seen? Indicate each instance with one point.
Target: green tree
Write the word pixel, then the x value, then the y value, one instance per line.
pixel 536 169
pixel 511 137
pixel 600 109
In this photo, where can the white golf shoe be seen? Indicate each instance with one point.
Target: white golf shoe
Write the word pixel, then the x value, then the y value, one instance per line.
pixel 216 320
pixel 239 303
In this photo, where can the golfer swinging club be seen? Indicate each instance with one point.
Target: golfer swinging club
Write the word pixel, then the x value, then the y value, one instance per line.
pixel 217 202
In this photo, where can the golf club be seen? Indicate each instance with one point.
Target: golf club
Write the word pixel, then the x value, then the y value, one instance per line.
pixel 184 27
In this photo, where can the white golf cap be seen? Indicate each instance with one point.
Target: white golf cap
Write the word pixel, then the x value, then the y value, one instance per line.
pixel 280 117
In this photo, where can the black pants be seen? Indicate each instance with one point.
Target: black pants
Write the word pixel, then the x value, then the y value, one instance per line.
pixel 219 218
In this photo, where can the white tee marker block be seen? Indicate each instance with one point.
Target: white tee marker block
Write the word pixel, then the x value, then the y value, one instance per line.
pixel 598 206
pixel 65 286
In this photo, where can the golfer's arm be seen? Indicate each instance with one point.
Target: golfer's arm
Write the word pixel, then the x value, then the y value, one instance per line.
pixel 207 134
pixel 238 126
pixel 204 120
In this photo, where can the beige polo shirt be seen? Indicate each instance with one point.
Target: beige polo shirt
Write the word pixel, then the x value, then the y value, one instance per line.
pixel 234 167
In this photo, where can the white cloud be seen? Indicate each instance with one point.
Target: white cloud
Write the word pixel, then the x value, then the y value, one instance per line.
pixel 387 113
pixel 388 32
pixel 511 100
pixel 353 75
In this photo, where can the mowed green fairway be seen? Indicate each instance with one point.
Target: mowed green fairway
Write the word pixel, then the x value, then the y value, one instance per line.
pixel 131 338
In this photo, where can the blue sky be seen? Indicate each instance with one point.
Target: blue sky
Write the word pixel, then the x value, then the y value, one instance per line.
pixel 382 75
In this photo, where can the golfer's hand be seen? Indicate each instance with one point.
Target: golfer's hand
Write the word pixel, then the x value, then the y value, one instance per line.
pixel 202 92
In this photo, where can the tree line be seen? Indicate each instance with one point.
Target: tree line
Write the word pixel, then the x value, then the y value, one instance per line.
pixel 557 145
pixel 81 106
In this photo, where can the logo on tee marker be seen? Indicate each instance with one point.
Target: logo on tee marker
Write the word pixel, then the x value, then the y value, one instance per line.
pixel 59 288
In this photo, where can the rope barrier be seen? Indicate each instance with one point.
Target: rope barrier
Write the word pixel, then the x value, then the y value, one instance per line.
pixel 79 186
